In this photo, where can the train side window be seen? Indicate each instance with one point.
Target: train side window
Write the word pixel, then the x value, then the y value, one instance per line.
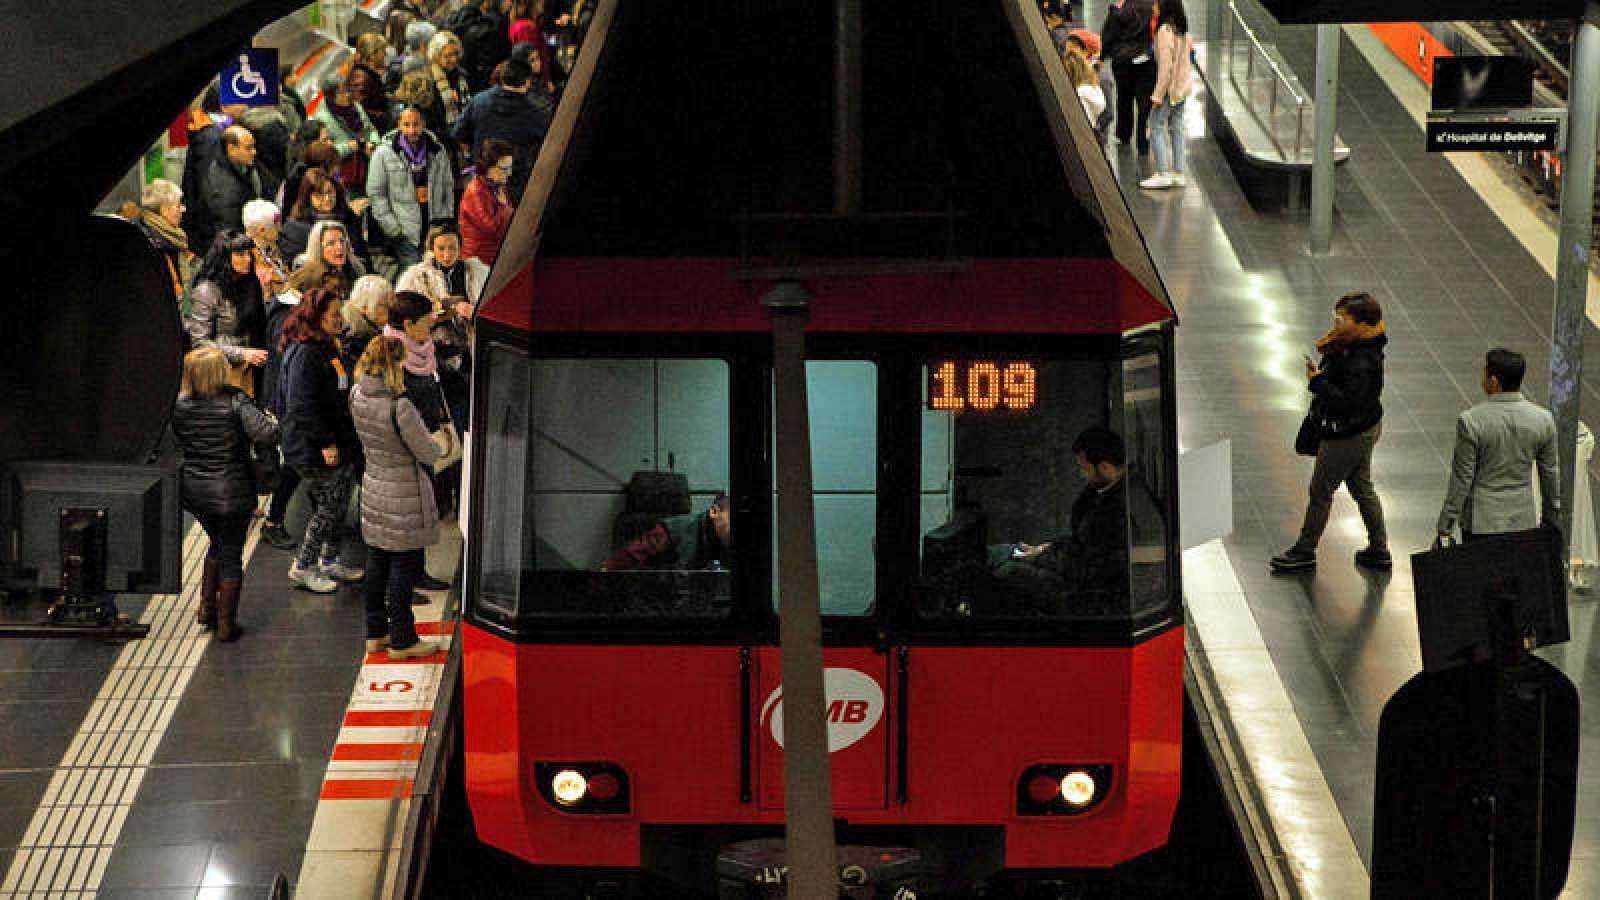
pixel 505 427
pixel 630 468
pixel 842 407
pixel 1147 478
pixel 1013 528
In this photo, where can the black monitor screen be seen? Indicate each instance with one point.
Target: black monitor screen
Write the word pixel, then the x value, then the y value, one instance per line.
pixel 1482 82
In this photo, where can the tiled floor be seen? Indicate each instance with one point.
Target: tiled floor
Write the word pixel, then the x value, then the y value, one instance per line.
pixel 1453 282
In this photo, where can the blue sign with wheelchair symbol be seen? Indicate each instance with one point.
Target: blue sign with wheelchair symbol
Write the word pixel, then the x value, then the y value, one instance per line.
pixel 252 78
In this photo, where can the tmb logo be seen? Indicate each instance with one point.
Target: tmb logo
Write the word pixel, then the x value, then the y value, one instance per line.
pixel 855 704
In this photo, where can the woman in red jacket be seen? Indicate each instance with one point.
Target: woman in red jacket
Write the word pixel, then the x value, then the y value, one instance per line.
pixel 485 207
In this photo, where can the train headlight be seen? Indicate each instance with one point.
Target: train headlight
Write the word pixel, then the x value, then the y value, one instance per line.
pixel 588 788
pixel 569 787
pixel 1078 788
pixel 1063 789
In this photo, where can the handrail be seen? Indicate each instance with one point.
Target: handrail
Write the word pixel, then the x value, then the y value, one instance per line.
pixel 1255 47
pixel 1542 56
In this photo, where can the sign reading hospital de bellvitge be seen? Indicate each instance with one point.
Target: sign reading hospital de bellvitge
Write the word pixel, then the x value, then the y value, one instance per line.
pixel 1308 12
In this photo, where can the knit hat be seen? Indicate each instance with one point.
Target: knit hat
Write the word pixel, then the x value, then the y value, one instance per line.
pixel 1090 41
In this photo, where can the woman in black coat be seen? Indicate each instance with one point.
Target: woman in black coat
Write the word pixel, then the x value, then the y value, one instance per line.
pixel 1126 39
pixel 215 425
pixel 319 437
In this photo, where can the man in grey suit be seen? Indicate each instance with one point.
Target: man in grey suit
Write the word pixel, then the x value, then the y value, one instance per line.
pixel 1497 444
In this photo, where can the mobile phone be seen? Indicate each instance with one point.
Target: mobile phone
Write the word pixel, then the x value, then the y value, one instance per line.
pixel 1017 553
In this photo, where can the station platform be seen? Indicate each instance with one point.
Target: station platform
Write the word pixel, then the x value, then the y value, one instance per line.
pixel 1453 249
pixel 176 766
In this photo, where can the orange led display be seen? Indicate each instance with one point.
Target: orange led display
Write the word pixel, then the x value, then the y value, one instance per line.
pixel 982 385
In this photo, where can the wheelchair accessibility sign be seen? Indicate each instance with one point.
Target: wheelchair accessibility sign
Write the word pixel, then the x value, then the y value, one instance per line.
pixel 252 78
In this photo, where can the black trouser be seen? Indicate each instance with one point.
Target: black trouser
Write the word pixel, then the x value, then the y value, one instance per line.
pixel 391 577
pixel 1134 84
pixel 226 534
pixel 288 481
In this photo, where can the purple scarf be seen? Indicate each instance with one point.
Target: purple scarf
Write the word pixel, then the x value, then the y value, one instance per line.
pixel 416 158
pixel 420 358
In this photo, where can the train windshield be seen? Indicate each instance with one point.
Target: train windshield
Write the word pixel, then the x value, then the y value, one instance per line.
pixel 1042 491
pixel 643 489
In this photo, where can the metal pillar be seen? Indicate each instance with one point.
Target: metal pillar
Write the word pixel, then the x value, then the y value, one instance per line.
pixel 1572 250
pixel 1327 108
pixel 807 789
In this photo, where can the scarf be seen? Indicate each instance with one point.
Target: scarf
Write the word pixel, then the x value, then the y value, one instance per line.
pixel 449 97
pixel 420 359
pixel 348 117
pixel 416 158
pixel 455 278
pixel 1342 336
pixel 172 234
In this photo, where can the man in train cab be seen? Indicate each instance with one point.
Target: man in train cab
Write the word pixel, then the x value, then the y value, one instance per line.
pixel 703 541
pixel 234 179
pixel 1092 557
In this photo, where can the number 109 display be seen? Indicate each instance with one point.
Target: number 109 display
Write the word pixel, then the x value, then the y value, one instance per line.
pixel 982 385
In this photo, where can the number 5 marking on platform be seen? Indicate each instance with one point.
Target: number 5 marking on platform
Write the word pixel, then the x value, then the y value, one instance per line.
pixel 387 686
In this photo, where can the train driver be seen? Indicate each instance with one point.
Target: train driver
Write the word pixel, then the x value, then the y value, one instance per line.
pixel 1092 557
pixel 703 541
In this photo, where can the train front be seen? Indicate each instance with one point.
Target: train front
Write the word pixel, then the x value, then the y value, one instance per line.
pixel 989 366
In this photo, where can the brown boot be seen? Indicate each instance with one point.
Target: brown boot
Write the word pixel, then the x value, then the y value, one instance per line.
pixel 209 576
pixel 228 610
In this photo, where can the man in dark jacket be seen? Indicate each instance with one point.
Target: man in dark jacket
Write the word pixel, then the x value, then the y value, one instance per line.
pixel 1346 387
pixel 234 179
pixel 512 114
pixel 1126 39
pixel 704 541
pixel 1088 565
pixel 484 40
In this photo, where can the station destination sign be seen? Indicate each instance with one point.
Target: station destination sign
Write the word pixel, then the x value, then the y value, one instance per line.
pixel 1454 137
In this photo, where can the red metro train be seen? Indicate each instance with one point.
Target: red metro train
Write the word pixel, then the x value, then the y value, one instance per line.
pixel 979 300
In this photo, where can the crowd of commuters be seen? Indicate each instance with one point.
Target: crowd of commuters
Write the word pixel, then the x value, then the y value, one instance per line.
pixel 327 264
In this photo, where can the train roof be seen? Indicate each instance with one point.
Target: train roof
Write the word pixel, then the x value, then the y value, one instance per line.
pixel 691 167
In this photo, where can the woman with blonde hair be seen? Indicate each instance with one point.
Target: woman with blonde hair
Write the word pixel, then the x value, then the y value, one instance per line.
pixel 1086 83
pixel 398 515
pixel 329 262
pixel 215 425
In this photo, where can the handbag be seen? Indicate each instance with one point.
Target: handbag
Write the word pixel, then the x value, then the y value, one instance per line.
pixel 1309 438
pixel 445 436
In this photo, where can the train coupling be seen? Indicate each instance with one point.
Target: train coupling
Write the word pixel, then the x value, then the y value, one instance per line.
pixel 759 868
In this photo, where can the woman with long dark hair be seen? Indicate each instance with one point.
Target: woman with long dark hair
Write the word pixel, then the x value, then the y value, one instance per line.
pixel 225 309
pixel 319 438
pixel 1173 83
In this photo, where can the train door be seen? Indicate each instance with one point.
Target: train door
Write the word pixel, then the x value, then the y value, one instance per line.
pixel 843 410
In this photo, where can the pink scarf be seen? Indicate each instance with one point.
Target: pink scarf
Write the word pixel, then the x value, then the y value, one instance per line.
pixel 420 358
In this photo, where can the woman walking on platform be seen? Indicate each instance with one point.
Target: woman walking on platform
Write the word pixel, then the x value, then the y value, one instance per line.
pixel 1347 413
pixel 398 515
pixel 319 439
pixel 215 425
pixel 1173 84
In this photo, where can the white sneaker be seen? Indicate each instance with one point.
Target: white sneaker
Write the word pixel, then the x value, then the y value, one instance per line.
pixel 311 580
pixel 338 571
pixel 1178 179
pixel 1157 181
pixel 416 651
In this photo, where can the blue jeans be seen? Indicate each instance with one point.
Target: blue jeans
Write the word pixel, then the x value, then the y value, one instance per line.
pixel 391 575
pixel 1166 136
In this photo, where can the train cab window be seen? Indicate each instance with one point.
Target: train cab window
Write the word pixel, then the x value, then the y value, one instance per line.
pixel 629 512
pixel 1146 441
pixel 505 436
pixel 1023 497
pixel 842 407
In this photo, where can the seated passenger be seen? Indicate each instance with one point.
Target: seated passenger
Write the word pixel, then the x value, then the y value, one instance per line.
pixel 1091 558
pixel 703 541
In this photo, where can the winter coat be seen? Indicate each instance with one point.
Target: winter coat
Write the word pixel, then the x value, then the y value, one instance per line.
pixel 394 196
pixel 1348 389
pixel 312 275
pixel 316 409
pixel 271 132
pixel 215 434
pixel 1174 74
pixel 225 190
pixel 216 321
pixel 484 43
pixel 450 334
pixel 343 141
pixel 366 86
pixel 398 511
pixel 272 373
pixel 518 119
pixel 205 147
pixel 484 220
pixel 1125 35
